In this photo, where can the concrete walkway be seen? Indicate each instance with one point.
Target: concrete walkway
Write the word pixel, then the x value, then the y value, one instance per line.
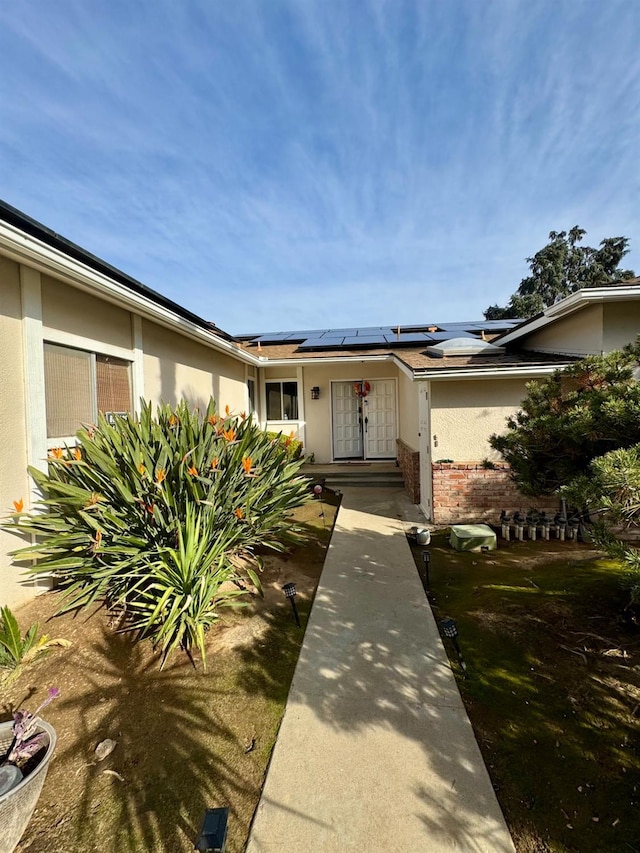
pixel 375 751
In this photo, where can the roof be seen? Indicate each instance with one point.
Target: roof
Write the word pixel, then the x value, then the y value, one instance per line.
pixel 14 217
pixel 628 289
pixel 416 359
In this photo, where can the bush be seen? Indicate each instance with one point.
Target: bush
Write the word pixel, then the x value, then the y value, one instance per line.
pixel 155 515
pixel 292 446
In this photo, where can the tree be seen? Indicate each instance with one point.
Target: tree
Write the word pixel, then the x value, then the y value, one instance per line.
pixel 562 267
pixel 569 419
pixel 611 491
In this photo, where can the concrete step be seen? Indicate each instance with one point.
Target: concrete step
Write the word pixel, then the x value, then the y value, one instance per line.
pixel 336 477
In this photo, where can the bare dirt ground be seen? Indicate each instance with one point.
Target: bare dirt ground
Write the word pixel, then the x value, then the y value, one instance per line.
pixel 187 739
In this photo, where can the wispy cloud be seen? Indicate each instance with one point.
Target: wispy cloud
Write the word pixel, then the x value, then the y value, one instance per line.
pixel 323 162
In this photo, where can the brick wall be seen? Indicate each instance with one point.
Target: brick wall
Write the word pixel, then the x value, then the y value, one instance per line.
pixel 466 492
pixel 409 464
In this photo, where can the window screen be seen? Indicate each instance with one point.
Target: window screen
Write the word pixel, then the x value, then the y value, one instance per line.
pixel 112 382
pixel 69 390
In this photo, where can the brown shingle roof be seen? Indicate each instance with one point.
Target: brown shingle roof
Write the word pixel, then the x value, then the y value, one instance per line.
pixel 415 358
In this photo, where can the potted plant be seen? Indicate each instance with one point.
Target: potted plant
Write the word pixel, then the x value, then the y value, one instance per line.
pixel 26 746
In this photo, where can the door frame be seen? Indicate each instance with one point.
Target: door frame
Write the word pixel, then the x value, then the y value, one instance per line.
pixel 372 379
pixel 424 446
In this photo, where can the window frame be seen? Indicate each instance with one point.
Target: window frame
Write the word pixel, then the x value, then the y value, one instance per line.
pixel 94 354
pixel 282 383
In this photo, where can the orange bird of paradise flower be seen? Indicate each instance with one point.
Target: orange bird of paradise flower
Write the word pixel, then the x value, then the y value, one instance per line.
pixel 19 505
pixel 161 475
pixel 227 411
pixel 77 453
pixel 141 468
pixel 239 513
pixel 56 453
pixel 213 420
pixel 229 434
pixel 246 464
pixel 193 471
pixel 214 462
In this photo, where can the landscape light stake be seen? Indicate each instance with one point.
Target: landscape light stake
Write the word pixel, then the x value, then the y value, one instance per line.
pixel 212 837
pixel 289 590
pixel 450 629
pixel 426 557
pixel 317 491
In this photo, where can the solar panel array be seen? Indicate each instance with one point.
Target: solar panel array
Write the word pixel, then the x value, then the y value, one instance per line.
pixel 381 336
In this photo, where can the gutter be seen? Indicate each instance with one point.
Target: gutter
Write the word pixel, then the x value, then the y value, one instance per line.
pixel 26 249
pixel 491 372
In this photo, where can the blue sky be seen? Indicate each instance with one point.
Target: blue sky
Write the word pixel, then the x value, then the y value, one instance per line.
pixel 281 165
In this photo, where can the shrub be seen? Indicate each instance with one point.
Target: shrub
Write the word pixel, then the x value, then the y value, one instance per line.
pixel 15 650
pixel 291 445
pixel 154 515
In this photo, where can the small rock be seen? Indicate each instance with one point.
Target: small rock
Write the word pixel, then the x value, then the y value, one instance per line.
pixel 105 748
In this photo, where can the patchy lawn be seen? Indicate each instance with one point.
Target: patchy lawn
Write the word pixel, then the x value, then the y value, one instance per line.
pixel 186 739
pixel 553 688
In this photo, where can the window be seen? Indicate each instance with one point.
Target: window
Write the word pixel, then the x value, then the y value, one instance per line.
pixel 251 391
pixel 80 384
pixel 282 401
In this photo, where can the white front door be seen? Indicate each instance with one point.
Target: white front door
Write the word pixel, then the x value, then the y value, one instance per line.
pixel 347 421
pixel 380 420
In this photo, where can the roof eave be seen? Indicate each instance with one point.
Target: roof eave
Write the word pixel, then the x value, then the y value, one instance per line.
pixel 27 249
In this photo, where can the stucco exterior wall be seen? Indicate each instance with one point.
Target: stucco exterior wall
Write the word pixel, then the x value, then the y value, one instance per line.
pixel 621 324
pixel 464 414
pixel 318 412
pixel 176 367
pixel 72 311
pixel 580 333
pixel 14 480
pixel 408 411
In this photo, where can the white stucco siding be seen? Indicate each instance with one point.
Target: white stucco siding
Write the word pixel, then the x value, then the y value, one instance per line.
pixel 464 414
pixel 14 479
pixel 580 333
pixel 67 311
pixel 176 368
pixel 408 411
pixel 621 324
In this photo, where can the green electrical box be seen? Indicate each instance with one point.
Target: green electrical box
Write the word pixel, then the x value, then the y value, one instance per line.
pixel 472 537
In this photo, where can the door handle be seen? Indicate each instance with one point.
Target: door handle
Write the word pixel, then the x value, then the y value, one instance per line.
pixel 366 424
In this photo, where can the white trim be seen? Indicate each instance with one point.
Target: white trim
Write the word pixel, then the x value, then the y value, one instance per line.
pixel 341 359
pixel 570 304
pixel 137 367
pixel 27 250
pixel 68 339
pixel 491 373
pixel 33 353
pixel 302 423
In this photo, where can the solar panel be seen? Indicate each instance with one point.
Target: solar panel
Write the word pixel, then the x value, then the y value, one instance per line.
pixel 364 340
pixel 408 338
pixel 322 343
pixel 445 336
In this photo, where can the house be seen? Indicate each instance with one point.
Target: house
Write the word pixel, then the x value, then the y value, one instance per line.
pixel 78 336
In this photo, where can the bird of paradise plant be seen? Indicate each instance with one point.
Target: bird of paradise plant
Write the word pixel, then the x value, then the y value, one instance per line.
pixel 118 516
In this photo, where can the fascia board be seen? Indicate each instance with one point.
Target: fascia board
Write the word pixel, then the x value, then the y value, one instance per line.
pixel 577 300
pixel 307 362
pixel 491 373
pixel 27 250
